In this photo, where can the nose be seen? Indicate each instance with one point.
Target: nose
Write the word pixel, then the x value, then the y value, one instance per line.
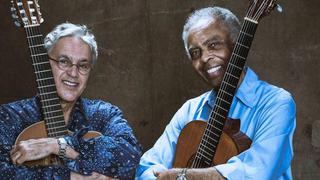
pixel 206 56
pixel 73 71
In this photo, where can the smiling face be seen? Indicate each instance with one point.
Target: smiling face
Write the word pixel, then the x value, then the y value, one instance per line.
pixel 70 83
pixel 210 48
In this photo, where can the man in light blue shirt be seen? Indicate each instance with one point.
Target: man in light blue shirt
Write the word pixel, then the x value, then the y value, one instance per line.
pixel 267 113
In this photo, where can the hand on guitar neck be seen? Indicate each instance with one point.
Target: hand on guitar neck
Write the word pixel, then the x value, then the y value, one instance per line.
pixel 191 174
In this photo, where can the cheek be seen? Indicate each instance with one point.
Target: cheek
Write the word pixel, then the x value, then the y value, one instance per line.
pixel 196 65
pixel 84 82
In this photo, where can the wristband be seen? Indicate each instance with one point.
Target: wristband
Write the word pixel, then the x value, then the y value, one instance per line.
pixel 182 174
pixel 62 148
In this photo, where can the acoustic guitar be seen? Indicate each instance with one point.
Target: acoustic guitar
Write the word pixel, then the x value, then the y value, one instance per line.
pixel 26 13
pixel 204 144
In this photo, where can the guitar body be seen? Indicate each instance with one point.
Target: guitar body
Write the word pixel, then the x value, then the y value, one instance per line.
pixel 38 130
pixel 231 143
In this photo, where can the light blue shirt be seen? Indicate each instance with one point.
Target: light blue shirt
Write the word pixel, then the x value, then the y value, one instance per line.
pixel 267 115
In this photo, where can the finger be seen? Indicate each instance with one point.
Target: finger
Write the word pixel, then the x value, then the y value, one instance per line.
pixel 21 159
pixel 156 173
pixel 14 149
pixel 15 156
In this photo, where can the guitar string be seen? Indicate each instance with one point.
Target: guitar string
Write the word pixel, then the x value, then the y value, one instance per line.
pixel 33 40
pixel 219 94
pixel 213 116
pixel 50 116
pixel 260 11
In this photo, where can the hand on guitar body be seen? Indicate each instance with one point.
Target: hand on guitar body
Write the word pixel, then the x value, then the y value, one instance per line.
pixel 191 174
pixel 34 149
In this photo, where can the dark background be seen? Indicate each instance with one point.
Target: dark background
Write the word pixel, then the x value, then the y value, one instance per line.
pixel 143 68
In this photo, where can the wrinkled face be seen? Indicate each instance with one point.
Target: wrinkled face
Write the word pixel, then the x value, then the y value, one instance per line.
pixel 210 48
pixel 70 83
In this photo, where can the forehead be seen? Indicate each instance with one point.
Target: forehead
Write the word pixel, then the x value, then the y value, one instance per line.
pixel 214 29
pixel 73 47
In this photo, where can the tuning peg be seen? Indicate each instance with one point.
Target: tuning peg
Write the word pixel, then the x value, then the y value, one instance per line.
pixel 14 16
pixel 279 8
pixel 17 24
pixel 12 9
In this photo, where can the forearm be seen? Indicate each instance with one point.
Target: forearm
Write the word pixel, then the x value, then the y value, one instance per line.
pixel 10 171
pixel 114 157
pixel 191 174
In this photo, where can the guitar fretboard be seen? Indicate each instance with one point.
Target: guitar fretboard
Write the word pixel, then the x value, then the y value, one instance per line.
pixel 218 115
pixel 51 108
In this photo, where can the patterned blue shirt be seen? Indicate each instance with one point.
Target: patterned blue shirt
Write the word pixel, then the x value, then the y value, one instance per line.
pixel 267 114
pixel 115 154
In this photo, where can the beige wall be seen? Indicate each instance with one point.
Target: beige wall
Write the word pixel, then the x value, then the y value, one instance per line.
pixel 142 67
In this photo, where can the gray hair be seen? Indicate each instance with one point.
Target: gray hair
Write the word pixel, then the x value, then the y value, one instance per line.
pixel 69 29
pixel 205 16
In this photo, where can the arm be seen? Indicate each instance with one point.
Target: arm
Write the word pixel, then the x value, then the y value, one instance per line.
pixel 160 157
pixel 11 171
pixel 13 119
pixel 271 152
pixel 115 154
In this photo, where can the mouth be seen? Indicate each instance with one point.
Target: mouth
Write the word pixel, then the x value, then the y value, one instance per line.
pixel 214 69
pixel 70 83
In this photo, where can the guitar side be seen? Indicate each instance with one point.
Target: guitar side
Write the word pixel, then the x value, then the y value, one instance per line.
pixel 232 142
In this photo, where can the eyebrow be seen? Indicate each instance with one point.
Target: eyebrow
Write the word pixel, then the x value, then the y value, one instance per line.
pixel 213 38
pixel 67 57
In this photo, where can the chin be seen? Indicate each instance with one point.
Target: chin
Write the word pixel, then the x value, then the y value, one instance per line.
pixel 69 98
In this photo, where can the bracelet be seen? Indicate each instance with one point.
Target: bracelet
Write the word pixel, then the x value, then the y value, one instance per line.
pixel 182 174
pixel 62 148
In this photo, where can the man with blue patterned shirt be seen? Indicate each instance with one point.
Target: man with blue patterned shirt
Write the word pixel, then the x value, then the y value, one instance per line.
pixel 267 113
pixel 72 51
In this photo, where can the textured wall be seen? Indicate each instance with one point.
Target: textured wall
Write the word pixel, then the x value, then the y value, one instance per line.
pixel 142 67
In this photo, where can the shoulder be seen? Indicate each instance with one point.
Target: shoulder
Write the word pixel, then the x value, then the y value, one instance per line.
pixel 98 106
pixel 198 101
pixel 272 95
pixel 276 109
pixel 25 105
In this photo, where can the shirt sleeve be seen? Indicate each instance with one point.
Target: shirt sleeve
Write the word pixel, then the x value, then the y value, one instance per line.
pixel 11 171
pixel 12 121
pixel 271 151
pixel 115 153
pixel 161 155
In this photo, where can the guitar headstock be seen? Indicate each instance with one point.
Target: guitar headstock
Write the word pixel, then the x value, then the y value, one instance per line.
pixel 260 8
pixel 26 12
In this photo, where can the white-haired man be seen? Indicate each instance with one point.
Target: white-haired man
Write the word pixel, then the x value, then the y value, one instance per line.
pixel 72 51
pixel 266 112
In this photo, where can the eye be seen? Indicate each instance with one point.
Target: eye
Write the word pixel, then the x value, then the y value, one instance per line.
pixel 214 45
pixel 64 61
pixel 84 66
pixel 195 53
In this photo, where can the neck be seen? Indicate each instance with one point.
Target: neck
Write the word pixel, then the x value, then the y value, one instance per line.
pixel 66 109
pixel 243 73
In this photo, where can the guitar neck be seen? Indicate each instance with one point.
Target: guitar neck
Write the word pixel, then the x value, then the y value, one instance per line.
pixel 218 115
pixel 50 104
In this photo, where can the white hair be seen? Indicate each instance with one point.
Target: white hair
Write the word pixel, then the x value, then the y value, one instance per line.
pixel 69 29
pixel 205 16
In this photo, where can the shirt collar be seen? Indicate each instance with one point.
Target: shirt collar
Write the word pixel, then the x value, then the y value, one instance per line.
pixel 246 93
pixel 78 108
